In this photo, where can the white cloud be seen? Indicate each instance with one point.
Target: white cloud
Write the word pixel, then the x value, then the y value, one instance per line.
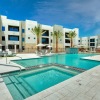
pixel 84 13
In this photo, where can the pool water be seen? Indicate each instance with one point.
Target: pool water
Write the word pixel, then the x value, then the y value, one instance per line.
pixel 29 83
pixel 65 59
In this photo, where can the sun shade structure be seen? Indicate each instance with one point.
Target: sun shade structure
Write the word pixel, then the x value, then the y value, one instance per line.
pixel 49 46
pixel 0 44
pixel 98 46
pixel 40 45
pixel 80 45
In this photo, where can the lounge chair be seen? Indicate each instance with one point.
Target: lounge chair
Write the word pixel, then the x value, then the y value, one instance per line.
pixel 37 53
pixel 10 53
pixel 1 53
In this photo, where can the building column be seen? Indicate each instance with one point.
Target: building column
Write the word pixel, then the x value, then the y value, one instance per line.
pixel 15 48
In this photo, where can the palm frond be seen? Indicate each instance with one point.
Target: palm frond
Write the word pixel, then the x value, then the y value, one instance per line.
pixel 72 34
pixel 57 34
pixel 37 30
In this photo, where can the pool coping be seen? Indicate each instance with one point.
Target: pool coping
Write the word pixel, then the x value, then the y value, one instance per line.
pixel 46 65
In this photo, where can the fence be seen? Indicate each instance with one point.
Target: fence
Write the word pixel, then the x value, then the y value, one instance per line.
pixel 33 50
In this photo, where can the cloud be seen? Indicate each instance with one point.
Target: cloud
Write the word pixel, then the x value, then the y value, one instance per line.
pixel 79 13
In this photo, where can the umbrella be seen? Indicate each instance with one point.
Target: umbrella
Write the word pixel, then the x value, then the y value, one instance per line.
pixel 80 45
pixel 0 44
pixel 49 46
pixel 98 46
pixel 40 45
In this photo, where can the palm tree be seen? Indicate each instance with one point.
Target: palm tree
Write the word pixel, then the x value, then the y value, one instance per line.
pixel 37 30
pixel 57 35
pixel 71 35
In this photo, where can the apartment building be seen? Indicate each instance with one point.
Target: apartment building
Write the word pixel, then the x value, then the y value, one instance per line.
pixel 17 34
pixel 91 43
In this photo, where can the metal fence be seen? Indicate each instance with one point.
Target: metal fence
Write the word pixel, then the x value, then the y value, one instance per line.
pixel 33 50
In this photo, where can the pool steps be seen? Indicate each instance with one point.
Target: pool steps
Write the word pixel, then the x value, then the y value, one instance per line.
pixel 24 90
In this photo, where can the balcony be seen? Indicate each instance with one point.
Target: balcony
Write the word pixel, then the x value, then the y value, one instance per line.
pixel 67 44
pixel 13 39
pixel 66 35
pixel 45 40
pixel 46 33
pixel 13 28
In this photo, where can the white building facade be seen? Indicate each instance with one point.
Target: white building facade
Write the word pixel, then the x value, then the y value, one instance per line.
pixel 18 33
pixel 91 43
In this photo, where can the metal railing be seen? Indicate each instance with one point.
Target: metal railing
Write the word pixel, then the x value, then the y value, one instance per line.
pixel 19 57
pixel 12 66
pixel 33 50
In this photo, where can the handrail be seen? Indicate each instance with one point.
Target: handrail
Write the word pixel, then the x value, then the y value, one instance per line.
pixel 12 66
pixel 19 57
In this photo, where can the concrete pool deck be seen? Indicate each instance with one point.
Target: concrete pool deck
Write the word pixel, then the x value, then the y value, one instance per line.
pixel 4 68
pixel 85 86
pixel 95 57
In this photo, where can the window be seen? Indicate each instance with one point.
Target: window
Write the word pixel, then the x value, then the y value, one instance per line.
pixel 23 30
pixel 92 40
pixel 13 28
pixel 28 28
pixel 51 40
pixel 12 46
pixel 13 38
pixel 78 40
pixel 34 37
pixel 67 41
pixel 28 37
pixel 3 28
pixel 17 46
pixel 23 48
pixel 3 38
pixel 66 35
pixel 92 44
pixel 23 39
pixel 3 47
pixel 45 40
pixel 46 33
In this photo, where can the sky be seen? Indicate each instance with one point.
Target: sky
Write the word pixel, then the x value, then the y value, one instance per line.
pixel 82 14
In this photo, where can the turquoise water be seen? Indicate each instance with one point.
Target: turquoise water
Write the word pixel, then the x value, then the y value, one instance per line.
pixel 66 59
pixel 29 83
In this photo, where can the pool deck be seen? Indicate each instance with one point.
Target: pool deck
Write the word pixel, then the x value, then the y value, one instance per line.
pixel 10 67
pixel 96 58
pixel 85 86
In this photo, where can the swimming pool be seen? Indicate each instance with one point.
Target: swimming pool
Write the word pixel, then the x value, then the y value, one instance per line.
pixel 28 83
pixel 65 59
